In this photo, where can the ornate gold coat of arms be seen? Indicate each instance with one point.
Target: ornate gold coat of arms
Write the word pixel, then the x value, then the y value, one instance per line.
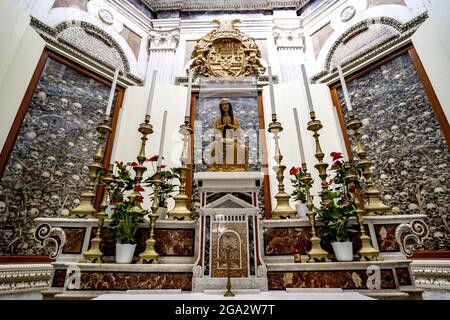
pixel 226 52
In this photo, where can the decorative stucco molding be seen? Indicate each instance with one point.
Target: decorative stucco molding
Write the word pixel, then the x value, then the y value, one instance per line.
pixel 207 5
pixel 289 38
pixel 24 278
pixel 404 31
pixel 160 39
pixel 59 38
pixel 46 234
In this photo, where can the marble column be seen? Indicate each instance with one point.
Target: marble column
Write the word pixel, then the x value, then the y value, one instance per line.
pixel 162 46
pixel 289 40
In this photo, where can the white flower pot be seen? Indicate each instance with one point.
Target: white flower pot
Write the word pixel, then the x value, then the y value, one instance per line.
pixel 343 250
pixel 161 212
pixel 124 252
pixel 302 209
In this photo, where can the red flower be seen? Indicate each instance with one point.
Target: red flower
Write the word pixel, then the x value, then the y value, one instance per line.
pixel 139 199
pixel 352 189
pixel 324 185
pixel 117 200
pixel 331 182
pixel 154 158
pixel 139 189
pixel 336 164
pixel 294 171
pixel 336 155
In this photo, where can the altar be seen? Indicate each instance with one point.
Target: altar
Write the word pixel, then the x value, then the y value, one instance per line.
pixel 228 233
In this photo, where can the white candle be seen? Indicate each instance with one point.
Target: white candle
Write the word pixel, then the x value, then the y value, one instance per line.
pixel 163 134
pixel 188 100
pixel 299 137
pixel 340 134
pixel 348 103
pixel 151 93
pixel 272 95
pixel 112 92
pixel 307 90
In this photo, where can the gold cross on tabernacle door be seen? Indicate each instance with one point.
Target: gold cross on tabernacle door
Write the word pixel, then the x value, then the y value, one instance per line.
pixel 228 261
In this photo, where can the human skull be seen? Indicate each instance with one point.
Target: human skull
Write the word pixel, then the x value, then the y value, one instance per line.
pixel 77 108
pixel 432 209
pixel 388 197
pixel 2 207
pixel 50 162
pixel 63 103
pixel 403 197
pixel 402 105
pixel 45 176
pixel 396 210
pixel 54 201
pixel 75 203
pixel 34 155
pixel 413 208
pixel 391 161
pixel 69 166
pixel 418 99
pixel 395 129
pixel 41 98
pixel 18 169
pixel 61 133
pixel 58 176
pixel 33 213
pixel 439 193
pixel 99 113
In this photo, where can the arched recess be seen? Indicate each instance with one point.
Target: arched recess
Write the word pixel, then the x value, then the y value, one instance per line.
pixel 93 41
pixel 72 16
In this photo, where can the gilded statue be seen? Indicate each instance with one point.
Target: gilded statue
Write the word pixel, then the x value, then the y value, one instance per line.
pixel 229 152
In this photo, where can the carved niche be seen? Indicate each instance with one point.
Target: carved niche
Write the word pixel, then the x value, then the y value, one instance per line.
pixel 226 52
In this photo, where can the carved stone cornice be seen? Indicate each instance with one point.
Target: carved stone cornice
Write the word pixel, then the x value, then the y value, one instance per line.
pixel 289 38
pixel 160 39
pixel 51 36
pixel 236 5
pixel 405 31
pixel 16 278
pixel 432 274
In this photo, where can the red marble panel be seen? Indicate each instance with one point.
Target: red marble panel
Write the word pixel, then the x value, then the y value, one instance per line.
pixel 403 276
pixel 59 278
pixel 91 280
pixel 385 234
pixel 74 240
pixel 348 279
pixel 169 242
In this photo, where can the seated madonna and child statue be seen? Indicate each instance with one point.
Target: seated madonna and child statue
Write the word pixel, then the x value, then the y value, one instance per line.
pixel 228 152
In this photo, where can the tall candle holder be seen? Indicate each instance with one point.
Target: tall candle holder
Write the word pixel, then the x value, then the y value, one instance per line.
pixel 150 255
pixel 373 194
pixel 283 209
pixel 367 251
pixel 94 254
pixel 86 208
pixel 314 126
pixel 181 210
pixel 316 254
pixel 145 128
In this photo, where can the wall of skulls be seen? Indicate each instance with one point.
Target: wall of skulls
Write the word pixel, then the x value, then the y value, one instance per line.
pixel 47 169
pixel 411 159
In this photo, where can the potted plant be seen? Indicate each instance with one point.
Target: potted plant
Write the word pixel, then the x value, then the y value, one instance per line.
pixel 124 220
pixel 338 207
pixel 166 187
pixel 299 193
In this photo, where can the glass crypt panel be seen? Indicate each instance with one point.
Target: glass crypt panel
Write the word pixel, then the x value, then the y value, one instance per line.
pixel 410 155
pixel 47 169
pixel 226 136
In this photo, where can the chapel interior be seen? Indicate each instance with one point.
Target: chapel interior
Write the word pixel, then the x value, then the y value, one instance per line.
pixel 286 149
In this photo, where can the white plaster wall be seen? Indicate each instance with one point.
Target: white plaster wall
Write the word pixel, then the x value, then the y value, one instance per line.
pixel 290 95
pixel 128 140
pixel 432 42
pixel 20 50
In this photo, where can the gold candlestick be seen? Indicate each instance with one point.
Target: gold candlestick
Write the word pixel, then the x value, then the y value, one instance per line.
pixel 367 251
pixel 373 194
pixel 283 209
pixel 145 129
pixel 150 255
pixel 86 208
pixel 181 211
pixel 316 254
pixel 94 254
pixel 315 126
